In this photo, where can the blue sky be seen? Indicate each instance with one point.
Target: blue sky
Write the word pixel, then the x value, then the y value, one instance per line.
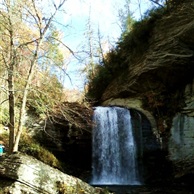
pixel 104 14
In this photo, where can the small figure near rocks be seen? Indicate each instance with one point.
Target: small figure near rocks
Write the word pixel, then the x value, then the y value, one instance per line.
pixel 1 149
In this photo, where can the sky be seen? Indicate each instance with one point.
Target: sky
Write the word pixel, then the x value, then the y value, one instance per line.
pixel 104 15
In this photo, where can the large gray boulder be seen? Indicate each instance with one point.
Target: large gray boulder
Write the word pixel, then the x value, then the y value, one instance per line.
pixel 21 174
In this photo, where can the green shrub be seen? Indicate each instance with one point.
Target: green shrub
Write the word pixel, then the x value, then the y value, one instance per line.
pixel 29 146
pixel 98 84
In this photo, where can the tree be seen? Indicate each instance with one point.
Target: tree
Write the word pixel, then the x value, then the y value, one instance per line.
pixel 24 29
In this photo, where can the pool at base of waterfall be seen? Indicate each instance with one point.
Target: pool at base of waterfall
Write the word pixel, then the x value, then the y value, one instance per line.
pixel 143 189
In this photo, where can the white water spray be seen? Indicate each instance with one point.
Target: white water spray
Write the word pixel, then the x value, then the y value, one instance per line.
pixel 114 150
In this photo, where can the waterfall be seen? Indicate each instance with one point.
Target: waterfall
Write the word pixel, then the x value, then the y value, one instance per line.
pixel 114 151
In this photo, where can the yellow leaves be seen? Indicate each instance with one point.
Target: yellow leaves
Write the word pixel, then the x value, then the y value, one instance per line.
pixel 24 35
pixel 15 30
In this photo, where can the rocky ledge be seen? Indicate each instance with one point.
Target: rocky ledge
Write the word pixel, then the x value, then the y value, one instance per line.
pixel 23 174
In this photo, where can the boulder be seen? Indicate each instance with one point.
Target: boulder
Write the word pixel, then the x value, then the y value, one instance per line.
pixel 21 173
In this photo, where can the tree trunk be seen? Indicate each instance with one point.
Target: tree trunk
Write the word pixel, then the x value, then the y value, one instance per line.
pixel 14 139
pixel 11 108
pixel 24 99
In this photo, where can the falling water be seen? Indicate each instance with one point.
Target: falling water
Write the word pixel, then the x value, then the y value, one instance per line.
pixel 114 151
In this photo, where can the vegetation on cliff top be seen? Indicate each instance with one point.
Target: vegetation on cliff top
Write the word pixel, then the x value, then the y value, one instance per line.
pixel 132 45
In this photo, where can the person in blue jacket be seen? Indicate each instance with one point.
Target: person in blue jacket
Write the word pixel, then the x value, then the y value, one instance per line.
pixel 1 149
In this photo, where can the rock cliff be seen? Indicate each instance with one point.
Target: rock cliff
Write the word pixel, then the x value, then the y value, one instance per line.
pixel 160 85
pixel 181 140
pixel 167 64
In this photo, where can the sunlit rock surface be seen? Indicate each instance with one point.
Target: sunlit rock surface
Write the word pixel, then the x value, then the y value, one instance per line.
pixel 23 174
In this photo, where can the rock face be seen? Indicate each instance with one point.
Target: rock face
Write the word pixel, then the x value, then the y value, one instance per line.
pixel 160 85
pixel 67 134
pixel 21 174
pixel 168 62
pixel 181 140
